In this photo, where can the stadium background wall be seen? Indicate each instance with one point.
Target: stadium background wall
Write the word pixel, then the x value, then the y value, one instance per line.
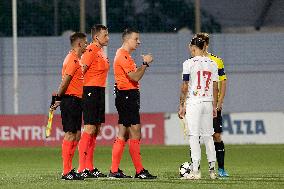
pixel 253 62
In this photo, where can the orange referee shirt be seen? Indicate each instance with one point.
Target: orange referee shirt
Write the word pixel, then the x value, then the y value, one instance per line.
pixel 123 64
pixel 98 66
pixel 72 67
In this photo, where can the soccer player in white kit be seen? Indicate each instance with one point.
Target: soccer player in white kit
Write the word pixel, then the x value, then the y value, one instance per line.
pixel 198 100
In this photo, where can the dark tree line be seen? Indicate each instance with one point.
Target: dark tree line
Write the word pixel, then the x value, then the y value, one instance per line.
pixel 38 18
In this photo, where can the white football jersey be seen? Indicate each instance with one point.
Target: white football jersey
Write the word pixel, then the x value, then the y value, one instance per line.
pixel 202 72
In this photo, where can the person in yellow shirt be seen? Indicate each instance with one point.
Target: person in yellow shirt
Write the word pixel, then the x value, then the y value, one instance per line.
pixel 217 121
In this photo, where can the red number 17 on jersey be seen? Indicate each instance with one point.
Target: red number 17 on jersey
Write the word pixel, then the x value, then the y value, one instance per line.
pixel 207 76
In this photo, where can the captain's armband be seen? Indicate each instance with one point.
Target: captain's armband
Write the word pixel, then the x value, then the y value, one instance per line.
pixel 185 77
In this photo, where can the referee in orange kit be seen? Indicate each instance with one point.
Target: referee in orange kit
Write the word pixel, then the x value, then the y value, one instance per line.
pixel 95 67
pixel 69 98
pixel 127 103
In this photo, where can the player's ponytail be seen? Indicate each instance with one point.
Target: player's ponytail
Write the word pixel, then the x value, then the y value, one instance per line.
pixel 199 42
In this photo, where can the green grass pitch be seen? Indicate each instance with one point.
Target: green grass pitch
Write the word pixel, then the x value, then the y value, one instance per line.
pixel 249 166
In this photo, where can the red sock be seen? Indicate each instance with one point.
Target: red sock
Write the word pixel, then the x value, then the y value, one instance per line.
pixel 66 155
pixel 134 150
pixel 90 153
pixel 83 149
pixel 117 151
pixel 73 149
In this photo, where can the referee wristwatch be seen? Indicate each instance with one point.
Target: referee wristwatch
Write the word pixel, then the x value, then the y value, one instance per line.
pixel 146 64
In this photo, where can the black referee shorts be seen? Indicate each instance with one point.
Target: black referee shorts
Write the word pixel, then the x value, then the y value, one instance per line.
pixel 93 105
pixel 127 103
pixel 217 122
pixel 71 113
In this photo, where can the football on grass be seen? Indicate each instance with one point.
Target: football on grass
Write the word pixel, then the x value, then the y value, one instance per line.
pixel 185 169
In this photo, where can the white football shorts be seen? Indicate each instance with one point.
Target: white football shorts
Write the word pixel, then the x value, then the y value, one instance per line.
pixel 199 116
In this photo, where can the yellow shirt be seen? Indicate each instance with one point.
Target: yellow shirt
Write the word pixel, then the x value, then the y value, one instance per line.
pixel 220 64
pixel 221 72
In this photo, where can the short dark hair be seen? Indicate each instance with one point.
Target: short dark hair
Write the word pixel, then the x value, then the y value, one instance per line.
pixel 128 31
pixel 199 42
pixel 97 28
pixel 77 35
pixel 204 36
